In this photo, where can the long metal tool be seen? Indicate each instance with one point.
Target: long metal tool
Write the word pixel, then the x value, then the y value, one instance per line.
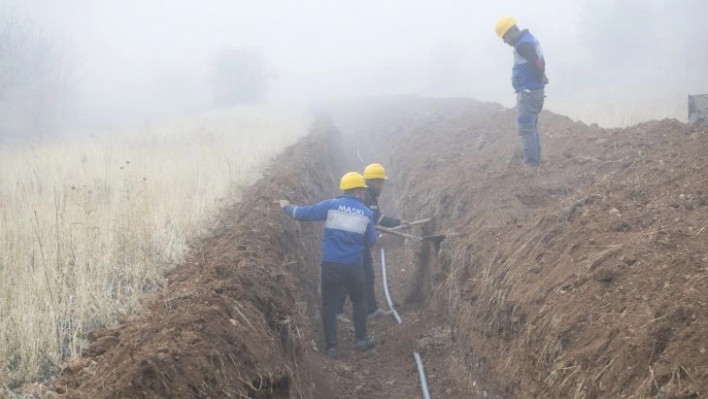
pixel 385 284
pixel 421 375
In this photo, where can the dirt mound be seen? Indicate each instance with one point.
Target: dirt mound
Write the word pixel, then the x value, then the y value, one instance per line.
pixel 586 281
pixel 233 320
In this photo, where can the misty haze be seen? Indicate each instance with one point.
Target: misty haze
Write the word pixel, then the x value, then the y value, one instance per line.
pixel 535 174
pixel 611 62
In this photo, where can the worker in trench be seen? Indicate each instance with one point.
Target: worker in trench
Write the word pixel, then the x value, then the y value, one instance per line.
pixel 349 232
pixel 529 81
pixel 375 176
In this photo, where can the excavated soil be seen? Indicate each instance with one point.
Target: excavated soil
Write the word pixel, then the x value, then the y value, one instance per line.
pixel 586 280
pixel 234 319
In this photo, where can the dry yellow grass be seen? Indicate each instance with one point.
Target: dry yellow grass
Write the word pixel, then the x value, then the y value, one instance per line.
pixel 89 225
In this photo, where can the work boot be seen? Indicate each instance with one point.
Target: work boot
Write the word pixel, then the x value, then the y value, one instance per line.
pixel 331 353
pixel 364 344
pixel 380 313
pixel 341 317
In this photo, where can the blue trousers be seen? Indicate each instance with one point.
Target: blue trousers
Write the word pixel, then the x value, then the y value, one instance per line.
pixel 529 104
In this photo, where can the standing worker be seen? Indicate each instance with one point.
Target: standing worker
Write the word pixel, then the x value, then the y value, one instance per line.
pixel 375 176
pixel 348 233
pixel 529 80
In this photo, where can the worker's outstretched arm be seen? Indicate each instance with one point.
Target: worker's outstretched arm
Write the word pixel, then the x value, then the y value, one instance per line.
pixel 379 218
pixel 308 213
pixel 388 221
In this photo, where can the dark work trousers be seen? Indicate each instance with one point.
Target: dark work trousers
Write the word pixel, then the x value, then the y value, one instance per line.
pixel 371 304
pixel 337 278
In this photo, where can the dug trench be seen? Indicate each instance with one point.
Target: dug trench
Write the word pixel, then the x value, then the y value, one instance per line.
pixel 240 318
pixel 233 321
pixel 586 280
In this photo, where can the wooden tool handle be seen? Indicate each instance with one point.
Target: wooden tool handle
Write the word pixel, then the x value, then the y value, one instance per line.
pixel 398 233
pixel 417 222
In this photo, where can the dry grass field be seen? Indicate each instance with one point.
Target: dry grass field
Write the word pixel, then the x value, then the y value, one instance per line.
pixel 89 225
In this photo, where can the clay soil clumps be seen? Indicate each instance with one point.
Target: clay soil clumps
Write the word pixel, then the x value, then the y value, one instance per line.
pixel 587 279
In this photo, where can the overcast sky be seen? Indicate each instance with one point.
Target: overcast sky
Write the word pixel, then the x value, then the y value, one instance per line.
pixel 136 59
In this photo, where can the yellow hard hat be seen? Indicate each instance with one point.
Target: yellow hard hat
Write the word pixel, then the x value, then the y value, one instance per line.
pixel 352 180
pixel 504 24
pixel 375 171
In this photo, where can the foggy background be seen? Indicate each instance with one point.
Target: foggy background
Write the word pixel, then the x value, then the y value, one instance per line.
pixel 124 63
